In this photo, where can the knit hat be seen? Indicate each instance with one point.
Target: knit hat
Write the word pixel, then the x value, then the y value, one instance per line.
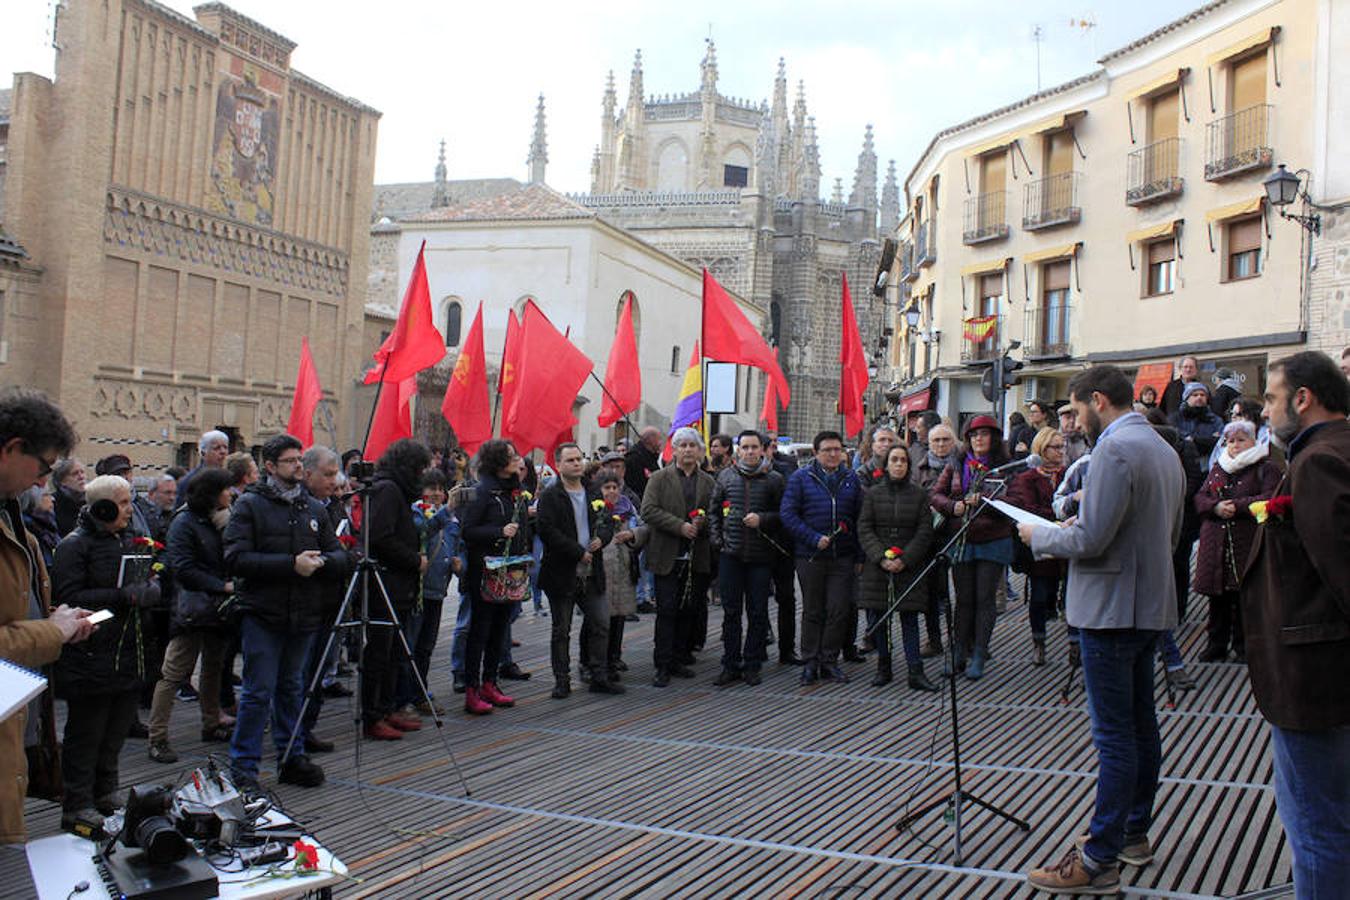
pixel 1191 388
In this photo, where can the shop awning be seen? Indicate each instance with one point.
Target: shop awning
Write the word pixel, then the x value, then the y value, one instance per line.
pixel 1262 38
pixel 1233 210
pixel 917 399
pixel 1055 123
pixel 986 267
pixel 1167 229
pixel 1060 252
pixel 1166 81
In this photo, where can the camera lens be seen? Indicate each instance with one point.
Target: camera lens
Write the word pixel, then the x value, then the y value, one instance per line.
pixel 160 840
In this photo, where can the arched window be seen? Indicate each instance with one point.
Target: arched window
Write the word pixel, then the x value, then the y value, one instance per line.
pixel 675 360
pixel 454 316
pixel 637 315
pixel 776 321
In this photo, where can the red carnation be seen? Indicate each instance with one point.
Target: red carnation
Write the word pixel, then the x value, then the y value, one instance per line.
pixel 1280 506
pixel 876 473
pixel 347 540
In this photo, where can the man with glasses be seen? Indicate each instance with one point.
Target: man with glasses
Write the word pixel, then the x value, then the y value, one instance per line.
pixel 820 510
pixel 280 543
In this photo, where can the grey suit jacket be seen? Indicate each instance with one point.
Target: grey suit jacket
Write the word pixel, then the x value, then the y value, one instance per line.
pixel 1120 549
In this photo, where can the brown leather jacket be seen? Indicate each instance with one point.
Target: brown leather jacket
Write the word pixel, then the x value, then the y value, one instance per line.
pixel 28 643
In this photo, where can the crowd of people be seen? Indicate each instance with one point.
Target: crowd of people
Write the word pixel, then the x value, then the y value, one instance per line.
pixel 227 582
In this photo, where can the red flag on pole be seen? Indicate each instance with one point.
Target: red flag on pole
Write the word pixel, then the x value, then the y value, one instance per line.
pixel 728 336
pixel 306 398
pixel 415 343
pixel 466 405
pixel 549 376
pixel 506 376
pixel 393 417
pixel 769 414
pixel 623 377
pixel 852 368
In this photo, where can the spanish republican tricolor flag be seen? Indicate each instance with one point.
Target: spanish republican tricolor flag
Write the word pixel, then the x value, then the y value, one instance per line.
pixel 980 328
pixel 689 406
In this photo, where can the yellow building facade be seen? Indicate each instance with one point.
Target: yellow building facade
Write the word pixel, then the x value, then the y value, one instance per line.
pixel 1121 217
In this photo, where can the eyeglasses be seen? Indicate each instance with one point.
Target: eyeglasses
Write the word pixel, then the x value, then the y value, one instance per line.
pixel 831 450
pixel 1059 446
pixel 288 461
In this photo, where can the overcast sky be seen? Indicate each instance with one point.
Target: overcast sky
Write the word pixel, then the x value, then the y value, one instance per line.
pixel 471 72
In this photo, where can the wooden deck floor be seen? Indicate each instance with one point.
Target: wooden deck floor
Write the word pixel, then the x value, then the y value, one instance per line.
pixel 698 791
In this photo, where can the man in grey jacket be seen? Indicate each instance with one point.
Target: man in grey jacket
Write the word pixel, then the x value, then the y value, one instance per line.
pixel 1121 597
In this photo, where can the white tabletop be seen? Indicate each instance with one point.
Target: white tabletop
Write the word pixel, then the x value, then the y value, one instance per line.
pixel 60 862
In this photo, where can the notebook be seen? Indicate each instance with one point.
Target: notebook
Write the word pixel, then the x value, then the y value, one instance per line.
pixel 17 686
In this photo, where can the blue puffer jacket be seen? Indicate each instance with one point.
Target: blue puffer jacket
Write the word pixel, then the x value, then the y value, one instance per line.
pixel 814 505
pixel 440 536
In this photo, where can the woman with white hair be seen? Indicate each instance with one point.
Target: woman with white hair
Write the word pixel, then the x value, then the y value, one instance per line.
pixel 100 678
pixel 1243 475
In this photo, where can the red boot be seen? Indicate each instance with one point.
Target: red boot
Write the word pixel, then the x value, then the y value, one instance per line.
pixel 490 693
pixel 474 703
pixel 383 731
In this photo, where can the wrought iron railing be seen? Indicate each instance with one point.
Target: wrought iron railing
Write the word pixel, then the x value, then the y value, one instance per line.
pixel 1052 200
pixel 908 271
pixel 1046 335
pixel 986 218
pixel 1239 142
pixel 1154 172
pixel 981 336
pixel 925 243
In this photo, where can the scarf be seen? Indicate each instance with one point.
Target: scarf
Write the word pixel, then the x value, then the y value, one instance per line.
pixel 623 507
pixel 219 518
pixel 285 493
pixel 749 470
pixel 973 468
pixel 938 463
pixel 1252 455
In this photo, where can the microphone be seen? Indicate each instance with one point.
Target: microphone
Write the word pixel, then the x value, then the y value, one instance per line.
pixel 1032 461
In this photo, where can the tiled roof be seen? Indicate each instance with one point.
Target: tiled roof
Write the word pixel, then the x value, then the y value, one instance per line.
pixel 1169 27
pixel 532 202
pixel 410 198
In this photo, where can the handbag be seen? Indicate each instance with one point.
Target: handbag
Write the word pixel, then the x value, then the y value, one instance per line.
pixel 506 579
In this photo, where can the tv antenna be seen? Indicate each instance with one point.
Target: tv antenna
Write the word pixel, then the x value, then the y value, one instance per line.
pixel 1037 37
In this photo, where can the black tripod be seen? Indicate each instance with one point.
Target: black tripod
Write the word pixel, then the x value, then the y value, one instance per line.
pixel 367 570
pixel 958 797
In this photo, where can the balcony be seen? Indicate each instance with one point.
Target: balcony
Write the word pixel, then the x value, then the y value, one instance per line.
pixel 981 336
pixel 1153 173
pixel 986 218
pixel 925 244
pixel 908 271
pixel 1051 201
pixel 1046 334
pixel 1238 143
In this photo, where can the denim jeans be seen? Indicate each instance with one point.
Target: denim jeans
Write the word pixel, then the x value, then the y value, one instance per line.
pixel 744 585
pixel 274 684
pixel 459 639
pixel 1118 677
pixel 1169 651
pixel 646 586
pixel 536 593
pixel 909 635
pixel 1312 794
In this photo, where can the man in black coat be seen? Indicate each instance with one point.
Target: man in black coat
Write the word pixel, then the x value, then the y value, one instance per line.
pixel 571 574
pixel 280 546
pixel 396 547
pixel 745 506
pixel 643 460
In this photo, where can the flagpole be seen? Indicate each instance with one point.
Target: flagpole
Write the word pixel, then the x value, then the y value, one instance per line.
pixel 370 423
pixel 632 430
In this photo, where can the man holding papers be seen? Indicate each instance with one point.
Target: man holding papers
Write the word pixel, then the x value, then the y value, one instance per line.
pixel 1121 597
pixel 33 435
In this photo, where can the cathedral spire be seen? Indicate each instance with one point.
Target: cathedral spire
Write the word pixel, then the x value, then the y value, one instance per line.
pixel 538 147
pixel 810 174
pixel 709 70
pixel 780 91
pixel 890 200
pixel 766 159
pixel 864 194
pixel 440 193
pixel 635 94
pixel 838 196
pixel 611 100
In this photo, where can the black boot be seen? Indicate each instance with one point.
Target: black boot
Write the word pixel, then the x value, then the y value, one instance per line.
pixel 918 679
pixel 884 674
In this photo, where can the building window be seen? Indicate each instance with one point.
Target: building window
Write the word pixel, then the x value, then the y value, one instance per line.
pixel 735 176
pixel 1053 334
pixel 991 294
pixel 1247 82
pixel 776 322
pixel 454 315
pixel 675 360
pixel 1244 249
pixel 1162 263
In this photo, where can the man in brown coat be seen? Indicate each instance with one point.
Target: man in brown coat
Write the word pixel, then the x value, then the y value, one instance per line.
pixel 33 434
pixel 1296 613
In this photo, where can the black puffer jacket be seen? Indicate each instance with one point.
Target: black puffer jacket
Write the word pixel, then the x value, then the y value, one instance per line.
pixel 484 516
pixel 196 556
pixel 394 541
pixel 895 514
pixel 738 495
pixel 84 574
pixel 265 534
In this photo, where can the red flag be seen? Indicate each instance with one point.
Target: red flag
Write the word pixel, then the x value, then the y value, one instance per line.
pixel 728 336
pixel 623 377
pixel 852 368
pixel 506 377
pixel 769 414
pixel 415 343
pixel 306 398
pixel 393 418
pixel 465 405
pixel 548 378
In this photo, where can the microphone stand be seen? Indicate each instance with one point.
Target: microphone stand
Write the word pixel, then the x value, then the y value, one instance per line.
pixel 958 796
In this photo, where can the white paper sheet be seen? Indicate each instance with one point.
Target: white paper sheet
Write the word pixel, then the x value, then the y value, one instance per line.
pixel 1019 515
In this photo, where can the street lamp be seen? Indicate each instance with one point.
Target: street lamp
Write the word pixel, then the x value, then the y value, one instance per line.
pixel 912 317
pixel 1283 188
